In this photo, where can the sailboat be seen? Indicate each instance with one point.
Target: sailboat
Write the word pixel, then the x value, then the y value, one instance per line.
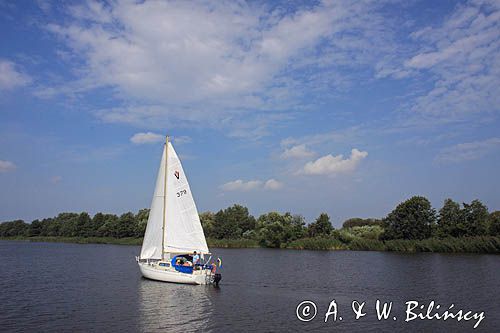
pixel 174 246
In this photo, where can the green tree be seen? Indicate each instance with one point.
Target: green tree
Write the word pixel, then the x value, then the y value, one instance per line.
pixel 142 221
pixel 207 220
pixel 272 231
pixel 35 228
pixel 321 227
pixel 68 224
pixel 494 223
pixel 353 222
pixel 359 222
pixel 109 226
pixel 232 222
pixel 276 230
pixel 51 227
pixel 411 219
pixel 126 226
pixel 97 222
pixel 223 228
pixel 450 220
pixel 297 227
pixel 272 235
pixel 475 217
pixel 13 228
pixel 84 225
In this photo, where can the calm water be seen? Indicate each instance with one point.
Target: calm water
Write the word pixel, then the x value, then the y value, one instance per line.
pixel 71 287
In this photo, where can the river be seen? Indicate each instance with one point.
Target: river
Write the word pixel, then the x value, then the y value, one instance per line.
pixel 98 288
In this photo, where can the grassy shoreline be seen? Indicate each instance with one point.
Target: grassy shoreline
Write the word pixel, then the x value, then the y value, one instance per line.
pixel 77 240
pixel 484 244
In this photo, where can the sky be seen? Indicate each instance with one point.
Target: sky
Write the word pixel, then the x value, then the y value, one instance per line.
pixel 343 107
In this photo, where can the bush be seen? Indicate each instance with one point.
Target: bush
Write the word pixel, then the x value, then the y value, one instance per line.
pixel 250 234
pixel 359 244
pixel 479 244
pixel 232 243
pixel 343 235
pixel 367 231
pixel 400 245
pixel 317 243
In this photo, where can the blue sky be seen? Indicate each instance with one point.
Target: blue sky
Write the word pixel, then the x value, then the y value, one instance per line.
pixel 339 107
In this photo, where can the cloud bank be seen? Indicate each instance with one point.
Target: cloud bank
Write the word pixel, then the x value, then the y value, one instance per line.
pixel 469 151
pixel 462 56
pixel 220 63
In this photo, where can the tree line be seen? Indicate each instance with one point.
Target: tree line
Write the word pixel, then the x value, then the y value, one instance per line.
pixel 80 225
pixel 413 219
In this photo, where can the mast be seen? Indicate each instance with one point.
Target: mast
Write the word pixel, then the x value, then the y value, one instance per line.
pixel 164 201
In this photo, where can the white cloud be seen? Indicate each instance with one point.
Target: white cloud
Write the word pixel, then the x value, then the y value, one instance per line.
pixel 273 184
pixel 145 138
pixel 469 150
pixel 215 63
pixel 11 77
pixel 462 57
pixel 180 140
pixel 348 134
pixel 299 151
pixel 44 5
pixel 331 165
pixel 6 166
pixel 240 185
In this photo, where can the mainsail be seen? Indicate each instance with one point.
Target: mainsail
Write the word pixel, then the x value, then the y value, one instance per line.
pixel 182 231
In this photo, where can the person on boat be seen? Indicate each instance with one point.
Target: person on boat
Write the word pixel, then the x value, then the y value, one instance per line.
pixel 196 258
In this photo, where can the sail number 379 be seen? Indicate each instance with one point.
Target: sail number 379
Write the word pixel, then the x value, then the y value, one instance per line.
pixel 181 193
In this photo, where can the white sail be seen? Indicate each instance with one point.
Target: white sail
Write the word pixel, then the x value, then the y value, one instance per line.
pixel 152 244
pixel 183 231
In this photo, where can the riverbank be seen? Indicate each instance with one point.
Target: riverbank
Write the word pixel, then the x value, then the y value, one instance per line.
pixel 78 240
pixel 480 244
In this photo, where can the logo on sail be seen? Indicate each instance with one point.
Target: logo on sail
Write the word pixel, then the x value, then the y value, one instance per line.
pixel 177 174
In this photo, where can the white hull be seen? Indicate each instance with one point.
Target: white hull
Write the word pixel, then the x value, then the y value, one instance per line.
pixel 158 273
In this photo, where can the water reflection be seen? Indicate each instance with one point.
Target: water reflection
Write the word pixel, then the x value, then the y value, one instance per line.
pixel 170 307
